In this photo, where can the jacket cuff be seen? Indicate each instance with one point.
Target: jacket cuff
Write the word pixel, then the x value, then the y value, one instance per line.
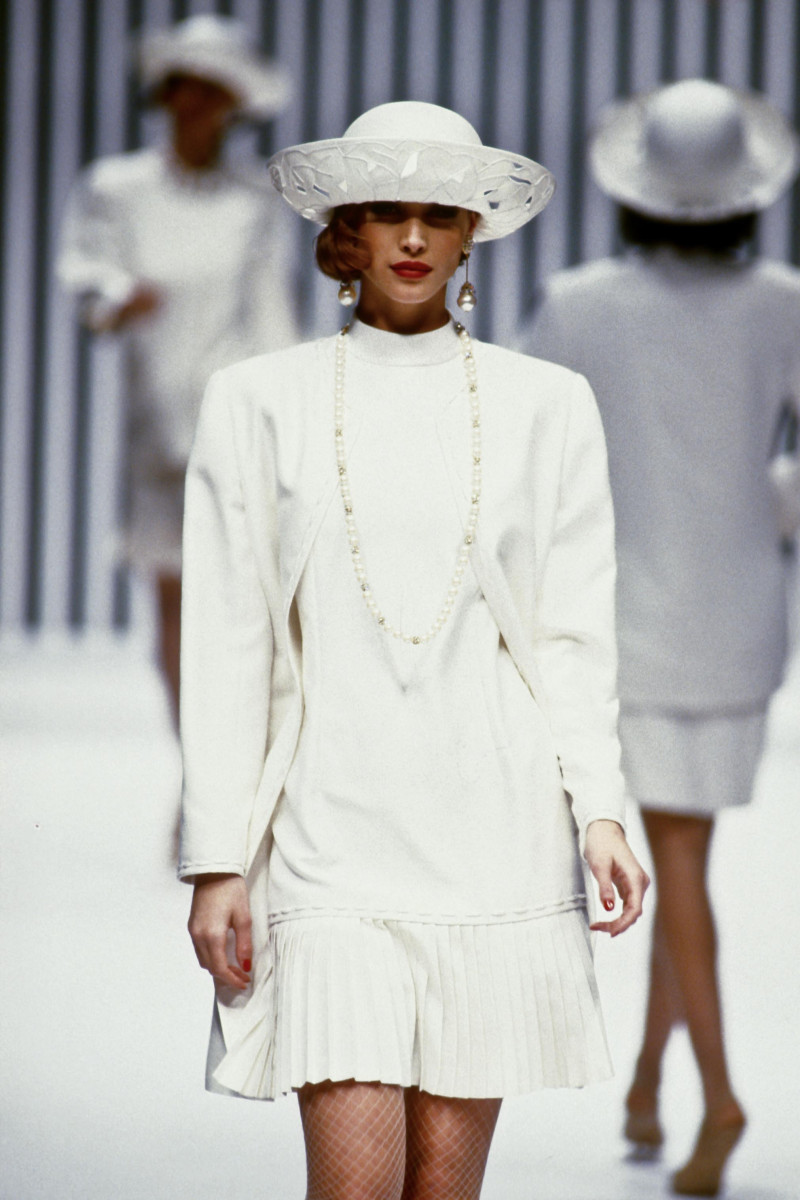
pixel 188 872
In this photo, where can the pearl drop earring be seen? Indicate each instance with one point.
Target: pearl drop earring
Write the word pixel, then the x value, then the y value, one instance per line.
pixel 467 296
pixel 347 294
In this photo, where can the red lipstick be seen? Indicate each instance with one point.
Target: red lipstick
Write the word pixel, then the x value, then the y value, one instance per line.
pixel 411 269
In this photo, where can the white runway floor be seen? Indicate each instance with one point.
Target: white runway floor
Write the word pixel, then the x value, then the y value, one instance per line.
pixel 104 1014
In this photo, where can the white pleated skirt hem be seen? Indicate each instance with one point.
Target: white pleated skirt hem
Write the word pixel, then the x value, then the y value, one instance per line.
pixel 471 1011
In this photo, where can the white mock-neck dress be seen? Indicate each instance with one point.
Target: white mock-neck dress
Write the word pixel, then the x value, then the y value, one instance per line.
pixel 408 942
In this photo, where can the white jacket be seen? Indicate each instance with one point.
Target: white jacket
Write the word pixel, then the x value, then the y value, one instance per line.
pixel 691 357
pixel 261 475
pixel 213 244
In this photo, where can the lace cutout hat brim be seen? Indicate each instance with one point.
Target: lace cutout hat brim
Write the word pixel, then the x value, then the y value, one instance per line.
pixel 413 152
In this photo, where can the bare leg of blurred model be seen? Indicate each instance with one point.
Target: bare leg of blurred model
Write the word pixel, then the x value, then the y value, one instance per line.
pixel 169 653
pixel 684 986
pixel 169 608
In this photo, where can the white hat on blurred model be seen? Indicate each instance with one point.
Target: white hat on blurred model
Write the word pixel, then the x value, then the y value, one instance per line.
pixel 220 50
pixel 694 152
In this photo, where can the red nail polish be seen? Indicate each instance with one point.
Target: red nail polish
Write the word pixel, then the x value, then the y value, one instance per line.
pixel 246 964
pixel 609 904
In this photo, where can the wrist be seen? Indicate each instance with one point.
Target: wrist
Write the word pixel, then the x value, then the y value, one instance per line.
pixel 605 825
pixel 214 877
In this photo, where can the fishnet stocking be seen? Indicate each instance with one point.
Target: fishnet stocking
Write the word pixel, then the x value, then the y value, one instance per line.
pixel 370 1141
pixel 355 1136
pixel 447 1145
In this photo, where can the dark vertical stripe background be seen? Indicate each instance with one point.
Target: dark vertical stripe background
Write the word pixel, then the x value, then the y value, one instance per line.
pixel 669 40
pixel 39 316
pixel 713 13
pixel 577 130
pixel 444 90
pixel 401 83
pixel 355 78
pixel 133 123
pixel 5 28
pixel 624 32
pixel 534 44
pixel 81 447
pixel 794 222
pixel 490 67
pixel 455 24
pixel 759 16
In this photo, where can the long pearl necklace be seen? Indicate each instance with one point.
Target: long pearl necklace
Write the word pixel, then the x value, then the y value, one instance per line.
pixel 353 538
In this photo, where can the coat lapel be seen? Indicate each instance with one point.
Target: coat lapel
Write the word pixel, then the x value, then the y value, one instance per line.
pixel 310 481
pixel 484 555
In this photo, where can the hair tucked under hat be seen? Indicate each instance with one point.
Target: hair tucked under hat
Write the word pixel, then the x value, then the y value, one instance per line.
pixel 341 254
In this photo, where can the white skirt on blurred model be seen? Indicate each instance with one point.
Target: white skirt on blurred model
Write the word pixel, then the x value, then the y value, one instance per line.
pixel 691 763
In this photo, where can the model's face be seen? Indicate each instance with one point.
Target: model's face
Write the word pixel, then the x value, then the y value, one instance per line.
pixel 414 250
pixel 198 104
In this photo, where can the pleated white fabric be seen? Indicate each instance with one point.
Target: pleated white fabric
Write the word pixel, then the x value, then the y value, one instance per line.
pixel 691 763
pixel 458 1010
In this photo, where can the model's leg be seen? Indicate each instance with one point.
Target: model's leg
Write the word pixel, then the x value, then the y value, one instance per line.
pixel 664 1011
pixel 447 1145
pixel 355 1135
pixel 680 847
pixel 169 607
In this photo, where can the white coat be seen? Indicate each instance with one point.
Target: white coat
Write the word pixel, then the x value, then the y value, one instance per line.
pixel 261 476
pixel 214 246
pixel 691 357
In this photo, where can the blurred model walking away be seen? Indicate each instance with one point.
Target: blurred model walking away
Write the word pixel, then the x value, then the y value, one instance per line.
pixel 693 347
pixel 186 258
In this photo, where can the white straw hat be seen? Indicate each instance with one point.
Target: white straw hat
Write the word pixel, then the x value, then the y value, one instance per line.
pixel 417 153
pixel 694 152
pixel 220 50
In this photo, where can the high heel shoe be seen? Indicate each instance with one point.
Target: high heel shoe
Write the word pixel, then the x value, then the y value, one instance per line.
pixel 642 1129
pixel 702 1174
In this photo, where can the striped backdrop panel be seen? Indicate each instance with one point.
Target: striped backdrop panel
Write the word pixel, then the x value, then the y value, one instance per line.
pixel 530 74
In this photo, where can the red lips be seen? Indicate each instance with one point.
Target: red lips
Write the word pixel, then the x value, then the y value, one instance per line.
pixel 410 269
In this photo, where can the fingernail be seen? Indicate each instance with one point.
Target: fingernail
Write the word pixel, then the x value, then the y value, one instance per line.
pixel 609 904
pixel 246 964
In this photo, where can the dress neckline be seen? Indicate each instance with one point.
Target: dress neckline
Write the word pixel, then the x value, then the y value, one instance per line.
pixel 403 350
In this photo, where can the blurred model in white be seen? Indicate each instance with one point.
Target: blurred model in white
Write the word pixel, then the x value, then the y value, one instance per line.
pixel 693 348
pixel 187 257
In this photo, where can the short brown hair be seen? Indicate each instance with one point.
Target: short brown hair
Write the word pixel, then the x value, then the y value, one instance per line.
pixel 340 252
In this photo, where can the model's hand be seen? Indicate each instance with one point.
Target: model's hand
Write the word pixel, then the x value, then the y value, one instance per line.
pixel 220 904
pixel 145 300
pixel 614 866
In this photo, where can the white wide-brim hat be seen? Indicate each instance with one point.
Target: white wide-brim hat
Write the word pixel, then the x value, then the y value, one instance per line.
pixel 220 50
pixel 694 152
pixel 413 152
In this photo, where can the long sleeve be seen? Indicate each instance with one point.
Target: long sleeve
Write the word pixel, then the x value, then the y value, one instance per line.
pixel 575 647
pixel 226 653
pixel 92 259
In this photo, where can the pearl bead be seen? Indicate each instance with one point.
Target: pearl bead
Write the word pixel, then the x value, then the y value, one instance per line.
pixel 475 491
